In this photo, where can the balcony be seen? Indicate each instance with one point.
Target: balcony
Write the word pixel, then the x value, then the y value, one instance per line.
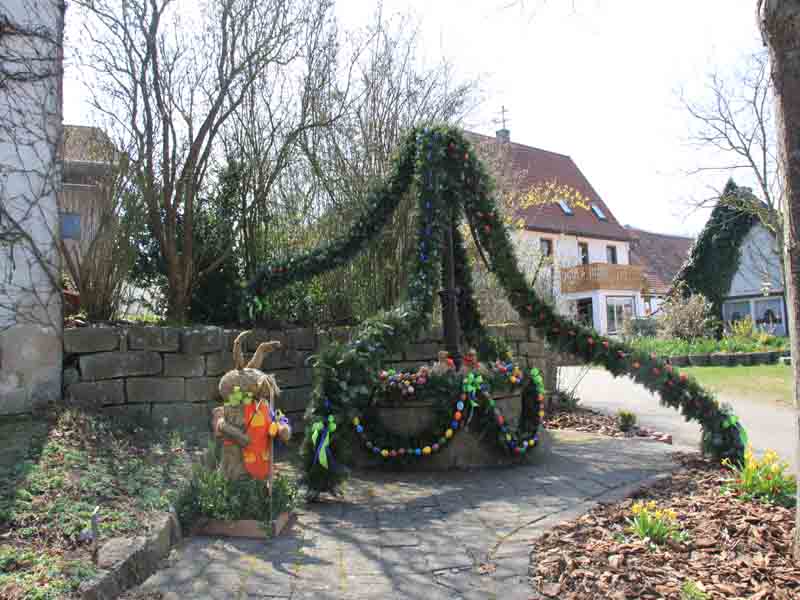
pixel 601 276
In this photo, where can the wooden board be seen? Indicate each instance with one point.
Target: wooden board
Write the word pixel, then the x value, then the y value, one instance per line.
pixel 244 528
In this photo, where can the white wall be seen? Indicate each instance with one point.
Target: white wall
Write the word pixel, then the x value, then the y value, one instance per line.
pixel 565 247
pixel 759 262
pixel 30 179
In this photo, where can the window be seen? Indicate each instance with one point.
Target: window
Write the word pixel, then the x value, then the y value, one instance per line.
pixel 769 315
pixel 617 310
pixel 735 311
pixel 583 247
pixel 598 212
pixel 611 255
pixel 565 207
pixel 70 226
pixel 546 246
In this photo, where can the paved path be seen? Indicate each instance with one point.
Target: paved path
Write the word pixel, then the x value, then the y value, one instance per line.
pixel 769 425
pixel 418 536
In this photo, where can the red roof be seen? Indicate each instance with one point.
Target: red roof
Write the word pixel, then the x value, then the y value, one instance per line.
pixel 660 254
pixel 537 166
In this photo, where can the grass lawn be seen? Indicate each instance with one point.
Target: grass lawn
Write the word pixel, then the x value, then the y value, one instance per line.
pixel 54 471
pixel 761 382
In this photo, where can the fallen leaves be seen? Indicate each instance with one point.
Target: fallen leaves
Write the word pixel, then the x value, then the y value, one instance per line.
pixel 582 419
pixel 736 549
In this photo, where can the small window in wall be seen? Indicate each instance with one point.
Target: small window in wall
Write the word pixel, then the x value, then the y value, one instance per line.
pixel 565 207
pixel 769 315
pixel 583 248
pixel 546 246
pixel 735 310
pixel 611 255
pixel 598 212
pixel 70 226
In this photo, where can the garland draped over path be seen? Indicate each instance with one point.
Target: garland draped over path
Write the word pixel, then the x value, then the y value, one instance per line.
pixel 440 167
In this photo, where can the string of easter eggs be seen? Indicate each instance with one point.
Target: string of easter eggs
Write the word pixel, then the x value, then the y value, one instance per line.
pixel 475 395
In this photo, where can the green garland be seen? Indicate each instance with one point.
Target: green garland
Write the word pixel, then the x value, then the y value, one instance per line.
pixel 440 167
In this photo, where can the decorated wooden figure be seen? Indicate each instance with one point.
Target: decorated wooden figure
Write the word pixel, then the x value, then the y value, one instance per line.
pixel 246 422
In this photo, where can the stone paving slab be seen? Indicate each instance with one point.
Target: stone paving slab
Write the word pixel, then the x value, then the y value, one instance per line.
pixel 417 536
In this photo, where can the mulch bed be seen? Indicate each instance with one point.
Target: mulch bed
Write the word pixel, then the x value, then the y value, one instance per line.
pixel 736 549
pixel 584 419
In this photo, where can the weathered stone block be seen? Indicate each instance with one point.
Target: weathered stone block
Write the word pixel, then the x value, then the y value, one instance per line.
pixel 301 339
pixel 109 365
pixel 201 340
pixel 284 358
pixel 84 340
pixel 202 389
pixel 70 376
pixel 218 363
pixel 293 377
pixel 517 333
pixel 294 400
pixel 13 401
pixel 156 389
pixel 426 352
pixel 184 365
pixel 531 349
pixel 161 339
pixel 184 414
pixel 96 393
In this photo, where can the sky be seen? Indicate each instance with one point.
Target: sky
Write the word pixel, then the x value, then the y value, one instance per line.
pixel 595 79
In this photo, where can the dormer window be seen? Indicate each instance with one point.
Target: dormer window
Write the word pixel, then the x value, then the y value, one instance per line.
pixel 565 207
pixel 598 212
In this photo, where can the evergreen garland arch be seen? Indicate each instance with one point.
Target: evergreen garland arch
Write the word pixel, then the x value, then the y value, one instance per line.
pixel 440 167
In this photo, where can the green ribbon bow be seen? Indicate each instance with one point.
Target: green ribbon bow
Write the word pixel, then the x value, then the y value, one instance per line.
pixel 325 429
pixel 733 421
pixel 536 375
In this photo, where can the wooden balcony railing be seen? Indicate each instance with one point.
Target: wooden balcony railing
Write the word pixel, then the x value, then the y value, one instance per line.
pixel 601 276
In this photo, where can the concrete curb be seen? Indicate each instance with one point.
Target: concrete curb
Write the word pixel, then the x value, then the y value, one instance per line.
pixel 126 562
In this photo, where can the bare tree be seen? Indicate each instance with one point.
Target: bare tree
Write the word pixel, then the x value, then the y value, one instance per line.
pixel 779 21
pixel 736 120
pixel 31 34
pixel 171 80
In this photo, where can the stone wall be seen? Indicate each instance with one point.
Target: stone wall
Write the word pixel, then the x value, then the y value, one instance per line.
pixel 172 373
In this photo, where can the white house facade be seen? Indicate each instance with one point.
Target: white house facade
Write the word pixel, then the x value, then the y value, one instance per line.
pixel 756 289
pixel 30 180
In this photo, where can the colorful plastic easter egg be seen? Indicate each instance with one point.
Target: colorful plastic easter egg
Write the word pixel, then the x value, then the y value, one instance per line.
pixel 448 434
pixel 435 447
pixel 459 405
pixel 356 421
pixel 426 450
pixel 454 424
pixel 500 420
pixel 457 416
pixel 360 428
pixel 418 451
pixel 401 451
pixel 385 453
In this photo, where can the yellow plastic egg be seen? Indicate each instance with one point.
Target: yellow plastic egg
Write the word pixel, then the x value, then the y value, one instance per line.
pixel 426 450
pixel 448 434
pixel 356 421
pixel 541 413
pixel 513 379
pixel 273 429
pixel 384 453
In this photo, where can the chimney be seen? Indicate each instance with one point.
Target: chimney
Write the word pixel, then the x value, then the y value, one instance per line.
pixel 503 135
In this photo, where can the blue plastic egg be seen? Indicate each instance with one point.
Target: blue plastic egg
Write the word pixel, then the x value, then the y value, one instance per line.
pixel 459 405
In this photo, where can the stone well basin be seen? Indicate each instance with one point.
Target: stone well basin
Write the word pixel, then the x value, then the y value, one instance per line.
pixel 465 450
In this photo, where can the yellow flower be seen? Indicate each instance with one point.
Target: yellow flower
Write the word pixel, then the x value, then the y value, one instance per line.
pixel 775 468
pixel 652 505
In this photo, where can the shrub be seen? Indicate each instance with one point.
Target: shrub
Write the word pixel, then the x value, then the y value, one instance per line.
pixel 640 327
pixel 767 480
pixel 653 524
pixel 687 316
pixel 626 420
pixel 691 591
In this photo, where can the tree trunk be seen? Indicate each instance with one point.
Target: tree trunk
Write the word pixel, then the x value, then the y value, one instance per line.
pixel 780 27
